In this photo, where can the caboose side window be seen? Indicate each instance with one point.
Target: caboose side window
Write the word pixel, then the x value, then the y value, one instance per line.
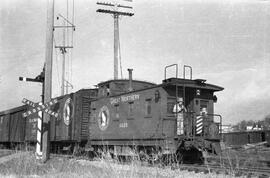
pixel 170 104
pixel 148 108
pixel 116 111
pixel 203 105
pixel 130 109
pixel 170 107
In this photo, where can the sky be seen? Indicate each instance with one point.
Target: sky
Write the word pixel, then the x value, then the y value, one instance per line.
pixel 225 41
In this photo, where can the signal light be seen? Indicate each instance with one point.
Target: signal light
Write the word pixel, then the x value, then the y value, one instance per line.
pixel 198 92
pixel 22 78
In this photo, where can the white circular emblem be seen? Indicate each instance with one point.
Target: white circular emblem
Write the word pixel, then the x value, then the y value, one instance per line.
pixel 103 118
pixel 67 111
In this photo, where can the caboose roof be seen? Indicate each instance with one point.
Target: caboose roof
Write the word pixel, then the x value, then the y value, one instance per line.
pixel 197 83
pixel 125 81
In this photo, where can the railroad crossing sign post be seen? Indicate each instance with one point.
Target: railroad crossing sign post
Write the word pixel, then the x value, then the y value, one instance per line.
pixel 47 84
pixel 39 107
pixel 40 79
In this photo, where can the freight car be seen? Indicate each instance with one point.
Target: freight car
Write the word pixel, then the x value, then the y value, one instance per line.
pixel 174 119
pixel 68 130
pixel 243 138
pixel 15 131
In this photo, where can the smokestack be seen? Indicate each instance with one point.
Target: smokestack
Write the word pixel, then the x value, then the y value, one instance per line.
pixel 130 79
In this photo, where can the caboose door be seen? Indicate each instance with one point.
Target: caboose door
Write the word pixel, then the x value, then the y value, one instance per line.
pixel 201 108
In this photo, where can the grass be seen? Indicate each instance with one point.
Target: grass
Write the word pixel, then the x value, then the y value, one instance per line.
pixel 27 166
pixel 236 159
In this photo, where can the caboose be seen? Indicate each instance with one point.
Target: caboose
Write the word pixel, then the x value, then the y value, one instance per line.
pixel 131 117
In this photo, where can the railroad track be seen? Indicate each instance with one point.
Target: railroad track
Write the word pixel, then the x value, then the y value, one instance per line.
pixel 197 168
pixel 212 164
pixel 244 171
pixel 238 165
pixel 6 152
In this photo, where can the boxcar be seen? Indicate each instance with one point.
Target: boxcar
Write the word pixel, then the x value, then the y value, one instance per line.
pixel 17 125
pixel 12 126
pixel 31 128
pixel 71 126
pixel 4 128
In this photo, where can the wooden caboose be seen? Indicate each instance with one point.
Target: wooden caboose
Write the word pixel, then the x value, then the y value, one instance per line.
pixel 131 116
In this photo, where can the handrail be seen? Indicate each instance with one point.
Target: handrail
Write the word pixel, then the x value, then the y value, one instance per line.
pixel 190 69
pixel 220 120
pixel 176 68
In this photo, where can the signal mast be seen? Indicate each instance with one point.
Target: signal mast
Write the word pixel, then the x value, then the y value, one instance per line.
pixel 114 8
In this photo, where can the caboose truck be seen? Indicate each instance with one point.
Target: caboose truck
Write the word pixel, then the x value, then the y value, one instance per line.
pixel 138 118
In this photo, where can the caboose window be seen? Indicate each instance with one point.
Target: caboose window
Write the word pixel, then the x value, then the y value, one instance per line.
pixel 148 108
pixel 130 108
pixel 170 107
pixel 116 110
pixel 171 101
pixel 203 106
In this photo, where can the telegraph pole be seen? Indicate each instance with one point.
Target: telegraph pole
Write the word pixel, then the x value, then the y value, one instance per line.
pixel 48 80
pixel 116 44
pixel 116 15
pixel 63 50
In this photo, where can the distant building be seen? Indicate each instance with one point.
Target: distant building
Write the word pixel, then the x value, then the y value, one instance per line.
pixel 227 128
pixel 254 127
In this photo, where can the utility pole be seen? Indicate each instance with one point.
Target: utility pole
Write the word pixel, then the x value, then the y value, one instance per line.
pixel 116 44
pixel 48 80
pixel 63 50
pixel 114 11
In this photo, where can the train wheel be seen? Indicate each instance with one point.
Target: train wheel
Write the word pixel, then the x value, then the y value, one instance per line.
pixel 91 155
pixel 216 148
pixel 193 156
pixel 169 159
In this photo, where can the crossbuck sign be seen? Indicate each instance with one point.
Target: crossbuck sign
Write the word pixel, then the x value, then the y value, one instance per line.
pixel 36 107
pixel 39 108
